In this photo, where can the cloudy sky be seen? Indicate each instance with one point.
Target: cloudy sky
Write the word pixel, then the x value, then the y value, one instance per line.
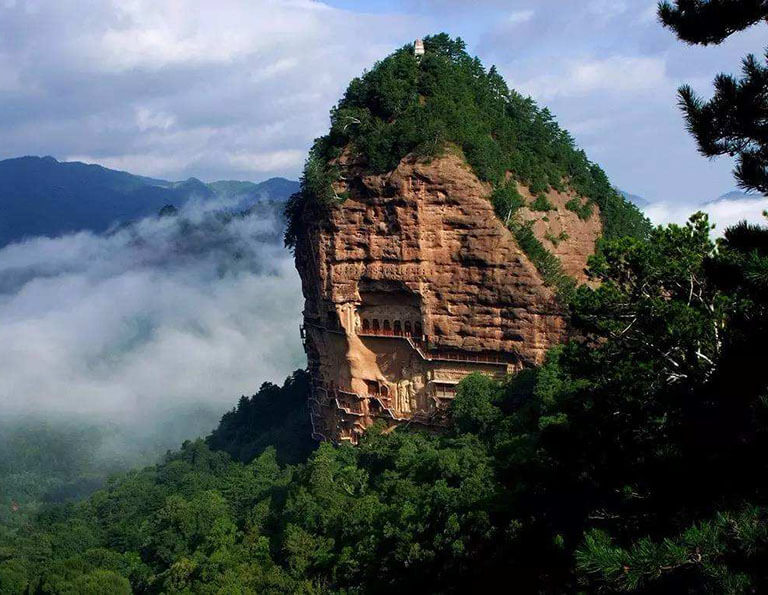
pixel 239 88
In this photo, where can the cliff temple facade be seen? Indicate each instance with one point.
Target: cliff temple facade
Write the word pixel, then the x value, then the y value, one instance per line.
pixel 372 360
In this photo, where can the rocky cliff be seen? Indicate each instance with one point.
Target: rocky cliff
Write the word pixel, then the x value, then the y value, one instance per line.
pixel 441 225
pixel 413 282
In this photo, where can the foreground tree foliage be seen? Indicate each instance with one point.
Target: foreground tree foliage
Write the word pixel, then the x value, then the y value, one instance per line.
pixel 711 21
pixel 633 460
pixel 733 122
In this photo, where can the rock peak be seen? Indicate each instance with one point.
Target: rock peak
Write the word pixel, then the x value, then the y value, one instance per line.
pixel 441 225
pixel 411 284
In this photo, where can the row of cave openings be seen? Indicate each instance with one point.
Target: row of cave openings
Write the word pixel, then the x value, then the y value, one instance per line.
pixel 377 389
pixel 374 327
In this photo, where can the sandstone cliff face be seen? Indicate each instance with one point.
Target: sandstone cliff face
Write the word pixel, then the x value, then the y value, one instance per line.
pixel 562 232
pixel 412 283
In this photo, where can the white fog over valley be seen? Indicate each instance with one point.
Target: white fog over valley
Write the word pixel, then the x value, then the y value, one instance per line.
pixel 166 321
pixel 722 213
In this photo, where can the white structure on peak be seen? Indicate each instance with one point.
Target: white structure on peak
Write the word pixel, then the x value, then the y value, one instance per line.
pixel 418 48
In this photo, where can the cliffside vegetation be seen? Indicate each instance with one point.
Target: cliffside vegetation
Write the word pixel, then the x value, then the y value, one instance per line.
pixel 408 105
pixel 633 460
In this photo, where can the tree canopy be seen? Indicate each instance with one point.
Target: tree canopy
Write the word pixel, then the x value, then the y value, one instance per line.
pixel 711 21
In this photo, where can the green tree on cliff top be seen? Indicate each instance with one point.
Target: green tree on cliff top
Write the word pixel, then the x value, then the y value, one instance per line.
pixel 409 105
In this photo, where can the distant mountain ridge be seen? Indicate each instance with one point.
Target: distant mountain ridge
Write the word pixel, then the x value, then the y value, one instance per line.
pixel 636 200
pixel 44 196
pixel 733 195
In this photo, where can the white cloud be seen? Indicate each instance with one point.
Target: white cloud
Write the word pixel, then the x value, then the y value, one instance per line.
pixel 267 161
pixel 276 68
pixel 10 80
pixel 521 16
pixel 145 163
pixel 617 75
pixel 650 13
pixel 157 34
pixel 147 119
pixel 147 319
pixel 607 9
pixel 190 79
pixel 722 213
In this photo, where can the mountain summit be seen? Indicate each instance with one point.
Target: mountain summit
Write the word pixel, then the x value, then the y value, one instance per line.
pixel 441 226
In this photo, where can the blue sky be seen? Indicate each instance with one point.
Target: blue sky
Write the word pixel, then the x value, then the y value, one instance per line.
pixel 239 88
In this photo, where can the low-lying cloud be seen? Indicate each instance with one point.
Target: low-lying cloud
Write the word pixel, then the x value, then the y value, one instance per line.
pixel 161 316
pixel 723 213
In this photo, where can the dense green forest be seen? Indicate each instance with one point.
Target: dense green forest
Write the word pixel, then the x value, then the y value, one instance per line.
pixel 275 417
pixel 410 105
pixel 633 460
pixel 46 463
pixel 48 459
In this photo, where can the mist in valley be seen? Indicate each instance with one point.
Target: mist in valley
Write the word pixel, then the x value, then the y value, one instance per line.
pixel 116 347
pixel 723 213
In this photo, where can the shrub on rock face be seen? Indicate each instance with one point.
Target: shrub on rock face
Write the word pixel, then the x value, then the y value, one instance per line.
pixel 541 203
pixel 506 200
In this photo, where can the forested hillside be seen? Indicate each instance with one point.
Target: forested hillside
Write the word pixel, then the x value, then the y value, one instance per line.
pixel 632 461
pixel 446 101
pixel 276 417
pixel 409 105
pixel 45 461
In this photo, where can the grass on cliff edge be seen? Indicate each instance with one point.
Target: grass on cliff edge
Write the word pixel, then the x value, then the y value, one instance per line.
pixel 408 105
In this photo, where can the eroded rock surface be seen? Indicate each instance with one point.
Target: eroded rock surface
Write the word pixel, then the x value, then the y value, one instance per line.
pixel 562 232
pixel 412 283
